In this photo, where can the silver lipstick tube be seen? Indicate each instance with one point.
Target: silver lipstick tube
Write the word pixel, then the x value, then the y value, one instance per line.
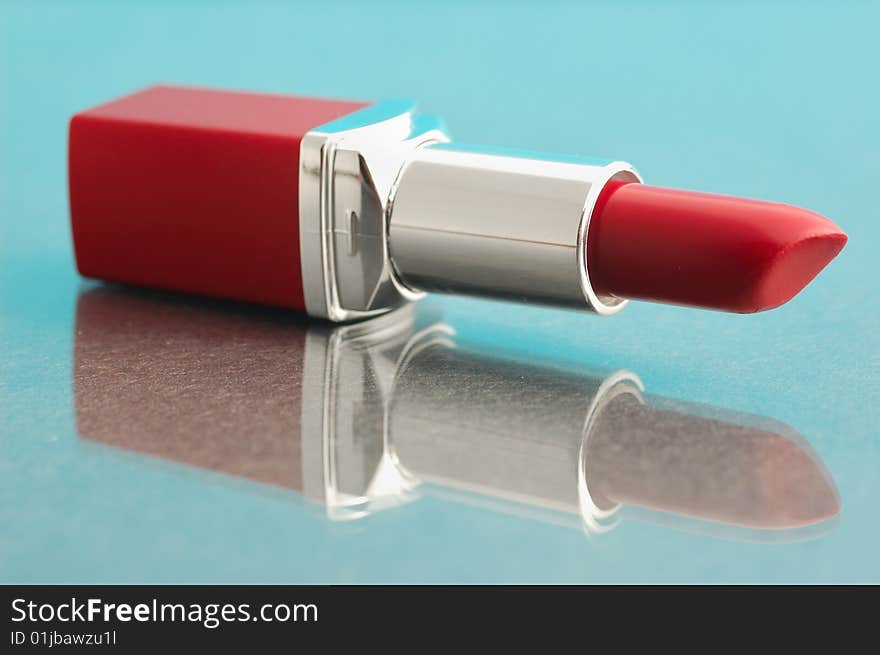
pixel 389 210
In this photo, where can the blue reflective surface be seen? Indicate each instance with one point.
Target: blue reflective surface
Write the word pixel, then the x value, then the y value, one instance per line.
pixel 776 102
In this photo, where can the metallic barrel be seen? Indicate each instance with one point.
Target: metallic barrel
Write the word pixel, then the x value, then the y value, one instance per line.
pixel 499 223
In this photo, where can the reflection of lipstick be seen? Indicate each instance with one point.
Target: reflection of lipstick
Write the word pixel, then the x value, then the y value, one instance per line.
pixel 367 416
pixel 347 210
pixel 528 434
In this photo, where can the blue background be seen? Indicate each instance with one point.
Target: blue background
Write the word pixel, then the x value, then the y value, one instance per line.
pixel 768 100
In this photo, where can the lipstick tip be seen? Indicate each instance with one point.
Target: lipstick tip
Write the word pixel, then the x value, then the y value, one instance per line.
pixel 792 268
pixel 798 489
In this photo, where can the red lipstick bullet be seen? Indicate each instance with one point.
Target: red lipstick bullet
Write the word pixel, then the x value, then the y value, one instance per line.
pixel 348 209
pixel 705 250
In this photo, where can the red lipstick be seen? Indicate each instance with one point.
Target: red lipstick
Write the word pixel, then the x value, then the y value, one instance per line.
pixel 349 209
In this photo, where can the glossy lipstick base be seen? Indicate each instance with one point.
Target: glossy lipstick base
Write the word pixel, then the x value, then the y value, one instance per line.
pixel 193 190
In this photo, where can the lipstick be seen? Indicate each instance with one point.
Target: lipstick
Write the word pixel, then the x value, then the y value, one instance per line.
pixel 365 417
pixel 346 210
